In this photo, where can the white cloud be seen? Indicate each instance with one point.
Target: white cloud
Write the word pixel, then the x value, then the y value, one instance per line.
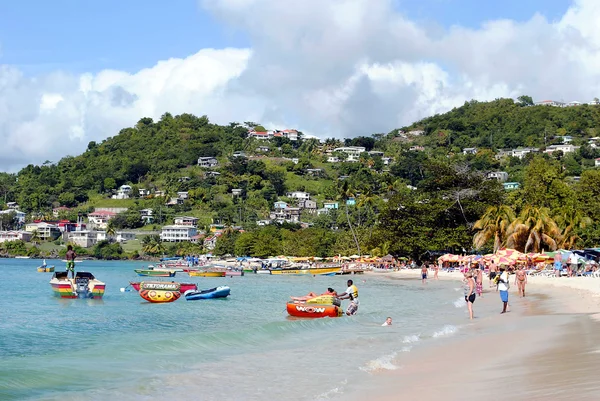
pixel 333 68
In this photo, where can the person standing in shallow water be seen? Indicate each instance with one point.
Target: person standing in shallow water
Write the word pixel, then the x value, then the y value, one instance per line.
pixel 424 273
pixel 503 286
pixel 71 255
pixel 469 292
pixel 479 282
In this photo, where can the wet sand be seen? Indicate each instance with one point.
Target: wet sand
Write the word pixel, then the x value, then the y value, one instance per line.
pixel 546 348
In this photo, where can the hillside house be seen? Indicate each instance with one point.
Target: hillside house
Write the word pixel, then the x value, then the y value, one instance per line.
pixel 314 172
pixel 207 162
pixel 8 236
pixel 12 205
pixel 416 132
pixel 99 219
pixel 178 233
pixel 308 205
pixel 565 148
pixel 352 152
pixel 374 153
pixel 521 152
pixel 509 186
pixel 84 239
pixel 469 151
pixel 497 175
pixel 298 195
pixel 147 216
pixel 330 205
pixel 237 192
pixel 263 149
pixel 333 159
pixel 239 153
pixel 123 192
pixel 416 148
pixel 387 160
pixel 553 103
pixel 280 205
pixel 19 216
pixel 58 210
pixel 186 221
pixel 289 215
pixel 597 162
pixel 261 135
pixel 46 231
pixel 143 192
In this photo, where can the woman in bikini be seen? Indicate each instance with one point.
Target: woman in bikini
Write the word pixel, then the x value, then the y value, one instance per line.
pixel 521 280
pixel 469 292
pixel 479 282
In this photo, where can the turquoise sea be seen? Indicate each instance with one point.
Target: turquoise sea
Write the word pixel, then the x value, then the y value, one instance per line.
pixel 244 347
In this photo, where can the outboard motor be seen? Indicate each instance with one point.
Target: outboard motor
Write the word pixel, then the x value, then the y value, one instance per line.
pixel 82 287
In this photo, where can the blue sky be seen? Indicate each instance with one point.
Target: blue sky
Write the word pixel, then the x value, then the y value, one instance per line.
pixel 80 36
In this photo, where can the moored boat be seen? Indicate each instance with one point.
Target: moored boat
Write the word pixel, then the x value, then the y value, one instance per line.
pixel 154 273
pixel 206 273
pixel 183 286
pixel 159 291
pixel 313 310
pixel 263 271
pixel 317 271
pixel 233 273
pixel 45 269
pixel 84 285
pixel 217 292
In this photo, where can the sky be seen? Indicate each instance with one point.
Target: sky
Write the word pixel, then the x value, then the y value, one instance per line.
pixel 74 71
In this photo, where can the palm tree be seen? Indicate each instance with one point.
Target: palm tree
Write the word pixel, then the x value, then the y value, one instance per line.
pixel 570 221
pixel 533 230
pixel 152 245
pixel 35 237
pixel 111 231
pixel 345 192
pixel 494 225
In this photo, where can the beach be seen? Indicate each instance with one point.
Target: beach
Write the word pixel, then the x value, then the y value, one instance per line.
pixel 546 348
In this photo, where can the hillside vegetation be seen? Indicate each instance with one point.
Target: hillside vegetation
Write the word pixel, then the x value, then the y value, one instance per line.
pixel 429 198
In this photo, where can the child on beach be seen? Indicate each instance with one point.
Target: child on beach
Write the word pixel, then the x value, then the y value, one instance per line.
pixel 503 286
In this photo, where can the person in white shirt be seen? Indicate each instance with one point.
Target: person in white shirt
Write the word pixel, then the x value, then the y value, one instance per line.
pixel 351 293
pixel 503 287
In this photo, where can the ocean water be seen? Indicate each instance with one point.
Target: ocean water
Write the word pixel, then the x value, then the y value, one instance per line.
pixel 244 347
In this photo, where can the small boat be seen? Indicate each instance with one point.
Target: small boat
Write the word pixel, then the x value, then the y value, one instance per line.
pixel 206 273
pixel 45 269
pixel 159 291
pixel 313 310
pixel 263 271
pixel 154 273
pixel 317 271
pixel 21 257
pixel 183 286
pixel 217 292
pixel 233 273
pixel 84 285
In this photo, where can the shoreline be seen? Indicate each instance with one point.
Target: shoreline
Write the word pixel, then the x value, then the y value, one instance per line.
pixel 545 348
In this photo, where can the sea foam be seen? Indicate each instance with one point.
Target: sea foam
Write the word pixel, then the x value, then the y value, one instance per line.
pixel 411 339
pixel 445 331
pixel 381 363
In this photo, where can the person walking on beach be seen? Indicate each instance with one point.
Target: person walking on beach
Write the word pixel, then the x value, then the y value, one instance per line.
pixel 492 274
pixel 479 282
pixel 351 293
pixel 424 273
pixel 71 255
pixel 521 280
pixel 469 292
pixel 436 270
pixel 503 286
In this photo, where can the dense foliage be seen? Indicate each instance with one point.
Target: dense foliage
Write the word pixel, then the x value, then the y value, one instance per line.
pixel 430 198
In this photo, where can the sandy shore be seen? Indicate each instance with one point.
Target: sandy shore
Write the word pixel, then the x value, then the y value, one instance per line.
pixel 546 348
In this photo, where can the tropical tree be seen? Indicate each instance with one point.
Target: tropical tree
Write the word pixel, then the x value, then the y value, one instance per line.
pixel 493 225
pixel 152 245
pixel 35 237
pixel 533 231
pixel 571 221
pixel 345 192
pixel 111 231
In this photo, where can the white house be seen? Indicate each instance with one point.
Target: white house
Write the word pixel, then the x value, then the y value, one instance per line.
pixel 186 221
pixel 123 236
pixel 7 236
pixel 597 162
pixel 353 152
pixel 565 148
pixel 521 152
pixel 333 159
pixel 207 162
pixel 123 192
pixel 330 205
pixel 178 233
pixel 143 192
pixel 84 239
pixel 280 205
pixel 550 103
pixel 183 195
pixel 298 195
pixel 147 216
pixel 469 151
pixel 19 216
pixel 497 175
pixel 99 219
pixel 46 231
pixel 375 153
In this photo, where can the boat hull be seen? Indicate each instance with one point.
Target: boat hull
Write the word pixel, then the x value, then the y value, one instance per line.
pixel 263 271
pixel 306 310
pixel 159 292
pixel 183 286
pixel 200 273
pixel 155 273
pixel 64 287
pixel 233 273
pixel 218 292
pixel 316 271
pixel 47 269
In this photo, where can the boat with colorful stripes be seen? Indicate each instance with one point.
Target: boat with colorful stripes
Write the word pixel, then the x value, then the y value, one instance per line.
pixel 84 285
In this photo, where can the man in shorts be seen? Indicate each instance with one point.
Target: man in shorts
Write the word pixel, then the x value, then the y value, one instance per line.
pixel 351 293
pixel 71 255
